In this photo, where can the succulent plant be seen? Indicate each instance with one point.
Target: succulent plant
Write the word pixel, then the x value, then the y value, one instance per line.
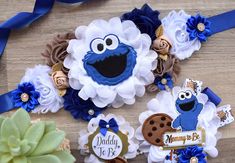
pixel 23 141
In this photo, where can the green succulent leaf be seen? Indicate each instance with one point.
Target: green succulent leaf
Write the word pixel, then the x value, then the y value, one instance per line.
pixel 25 147
pixel 49 126
pixel 14 146
pixel 3 147
pixel 44 159
pixel 8 129
pixel 21 159
pixel 34 134
pixel 22 121
pixel 65 156
pixel 5 158
pixel 1 120
pixel 13 141
pixel 49 143
pixel 24 142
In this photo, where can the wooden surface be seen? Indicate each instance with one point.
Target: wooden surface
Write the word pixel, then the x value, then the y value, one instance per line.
pixel 214 63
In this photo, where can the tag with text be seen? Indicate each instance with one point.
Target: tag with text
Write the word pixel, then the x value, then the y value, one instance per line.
pixel 177 140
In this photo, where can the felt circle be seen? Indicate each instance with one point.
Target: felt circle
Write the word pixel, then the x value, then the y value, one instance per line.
pixel 155 126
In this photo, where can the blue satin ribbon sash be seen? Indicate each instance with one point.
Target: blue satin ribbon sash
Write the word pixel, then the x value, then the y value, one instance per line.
pixel 6 102
pixel 222 22
pixel 23 19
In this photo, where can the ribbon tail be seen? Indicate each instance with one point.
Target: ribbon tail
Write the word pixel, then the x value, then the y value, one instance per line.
pixel 6 102
pixel 222 22
pixel 103 131
pixel 23 19
pixel 4 34
pixel 70 1
pixel 214 98
pixel 115 129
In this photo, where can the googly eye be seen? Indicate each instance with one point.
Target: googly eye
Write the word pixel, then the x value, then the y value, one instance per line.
pixel 181 96
pixel 188 94
pixel 111 42
pixel 98 46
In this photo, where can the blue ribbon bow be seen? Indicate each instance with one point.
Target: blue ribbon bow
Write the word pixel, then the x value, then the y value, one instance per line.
pixel 23 19
pixel 104 126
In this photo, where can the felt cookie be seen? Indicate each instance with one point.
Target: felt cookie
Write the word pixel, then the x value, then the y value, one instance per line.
pixel 155 126
pixel 179 121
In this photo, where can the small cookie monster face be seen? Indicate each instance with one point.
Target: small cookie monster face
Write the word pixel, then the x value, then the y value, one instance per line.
pixel 109 62
pixel 186 102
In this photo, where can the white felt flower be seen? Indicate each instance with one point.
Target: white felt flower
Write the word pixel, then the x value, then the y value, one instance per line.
pixel 49 99
pixel 124 127
pixel 164 102
pixel 110 62
pixel 175 28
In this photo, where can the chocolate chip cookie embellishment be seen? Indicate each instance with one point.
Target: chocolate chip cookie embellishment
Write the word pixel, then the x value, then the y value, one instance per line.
pixel 155 126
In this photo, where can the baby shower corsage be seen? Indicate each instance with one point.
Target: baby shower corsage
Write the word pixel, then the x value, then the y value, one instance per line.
pixel 182 125
pixel 108 139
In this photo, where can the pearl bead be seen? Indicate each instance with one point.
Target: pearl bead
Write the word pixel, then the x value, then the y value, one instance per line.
pixel 193 160
pixel 201 27
pixel 24 97
pixel 91 112
pixel 181 36
pixel 107 126
pixel 164 81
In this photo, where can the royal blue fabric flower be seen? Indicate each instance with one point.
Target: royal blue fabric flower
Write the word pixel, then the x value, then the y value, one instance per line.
pixel 191 152
pixel 25 96
pixel 145 19
pixel 164 82
pixel 80 108
pixel 198 27
pixel 167 157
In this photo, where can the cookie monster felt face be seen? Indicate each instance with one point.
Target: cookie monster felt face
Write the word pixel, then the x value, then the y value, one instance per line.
pixel 109 61
pixel 186 102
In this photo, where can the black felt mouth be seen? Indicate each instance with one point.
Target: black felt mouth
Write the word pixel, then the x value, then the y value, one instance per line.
pixel 187 106
pixel 111 66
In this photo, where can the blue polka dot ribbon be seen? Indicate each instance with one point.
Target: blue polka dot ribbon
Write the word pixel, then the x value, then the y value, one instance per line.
pixel 23 19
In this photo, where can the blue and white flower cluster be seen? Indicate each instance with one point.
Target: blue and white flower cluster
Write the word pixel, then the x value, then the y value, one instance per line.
pixel 47 96
pixel 184 32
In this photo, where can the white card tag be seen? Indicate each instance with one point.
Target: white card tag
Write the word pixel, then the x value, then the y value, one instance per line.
pixel 225 115
pixel 195 85
pixel 107 147
pixel 176 140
